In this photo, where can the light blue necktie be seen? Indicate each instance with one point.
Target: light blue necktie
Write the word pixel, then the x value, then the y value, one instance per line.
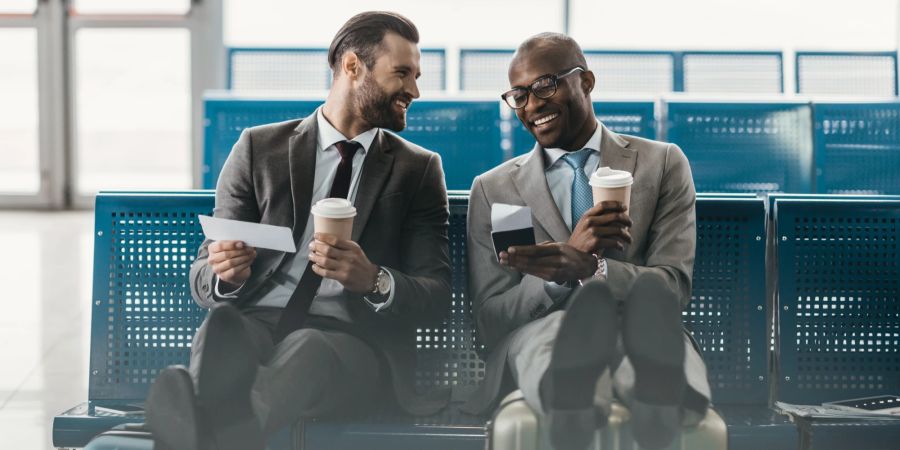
pixel 582 197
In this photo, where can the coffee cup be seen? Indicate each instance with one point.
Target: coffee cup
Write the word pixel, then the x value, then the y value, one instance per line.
pixel 334 216
pixel 611 185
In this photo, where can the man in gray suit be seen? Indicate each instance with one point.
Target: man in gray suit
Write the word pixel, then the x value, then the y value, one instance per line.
pixel 329 330
pixel 596 306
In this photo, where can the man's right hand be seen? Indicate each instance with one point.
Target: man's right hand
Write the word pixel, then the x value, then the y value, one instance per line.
pixel 231 260
pixel 602 227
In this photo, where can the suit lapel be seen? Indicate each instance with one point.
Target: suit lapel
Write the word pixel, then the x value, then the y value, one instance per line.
pixel 531 182
pixel 614 152
pixel 375 171
pixel 302 159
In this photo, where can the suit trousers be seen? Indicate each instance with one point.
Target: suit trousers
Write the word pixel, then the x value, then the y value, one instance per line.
pixel 311 373
pixel 530 351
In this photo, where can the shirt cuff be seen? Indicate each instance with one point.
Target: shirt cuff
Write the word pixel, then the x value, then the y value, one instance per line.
pixel 557 292
pixel 232 294
pixel 378 307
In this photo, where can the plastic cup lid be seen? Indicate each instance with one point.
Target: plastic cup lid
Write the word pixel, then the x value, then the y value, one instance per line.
pixel 334 208
pixel 611 178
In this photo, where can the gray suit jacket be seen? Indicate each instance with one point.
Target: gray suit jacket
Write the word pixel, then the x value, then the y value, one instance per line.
pixel 662 209
pixel 401 224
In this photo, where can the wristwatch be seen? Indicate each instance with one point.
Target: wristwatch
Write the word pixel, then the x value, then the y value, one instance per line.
pixel 382 285
pixel 600 273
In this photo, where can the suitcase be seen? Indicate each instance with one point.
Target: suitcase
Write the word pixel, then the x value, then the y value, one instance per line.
pixel 516 427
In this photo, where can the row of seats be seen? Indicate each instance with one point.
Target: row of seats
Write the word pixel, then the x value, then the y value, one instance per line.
pixel 733 146
pixel 833 267
pixel 638 71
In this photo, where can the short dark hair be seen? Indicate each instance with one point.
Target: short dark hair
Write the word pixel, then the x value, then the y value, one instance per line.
pixel 364 33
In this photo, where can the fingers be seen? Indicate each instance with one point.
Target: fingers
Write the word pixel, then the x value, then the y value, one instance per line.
pixel 219 246
pixel 621 218
pixel 606 207
pixel 527 251
pixel 222 256
pixel 334 241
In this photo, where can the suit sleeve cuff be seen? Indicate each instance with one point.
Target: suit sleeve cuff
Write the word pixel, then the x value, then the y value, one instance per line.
pixel 232 294
pixel 383 306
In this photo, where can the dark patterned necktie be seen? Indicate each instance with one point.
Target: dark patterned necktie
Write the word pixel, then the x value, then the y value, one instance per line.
pixel 297 309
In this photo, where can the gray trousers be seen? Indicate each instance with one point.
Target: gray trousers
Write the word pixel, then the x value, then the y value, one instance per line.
pixel 311 373
pixel 529 355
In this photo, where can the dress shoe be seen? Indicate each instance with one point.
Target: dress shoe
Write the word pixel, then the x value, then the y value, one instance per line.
pixel 584 347
pixel 172 413
pixel 228 367
pixel 653 337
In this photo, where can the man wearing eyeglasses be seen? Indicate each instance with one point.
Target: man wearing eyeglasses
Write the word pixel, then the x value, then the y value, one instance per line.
pixel 595 308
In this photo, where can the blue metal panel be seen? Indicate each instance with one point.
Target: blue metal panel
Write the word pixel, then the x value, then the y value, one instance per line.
pixel 846 73
pixel 465 132
pixel 634 118
pixel 633 71
pixel 484 70
pixel 143 316
pixel 745 146
pixel 727 311
pixel 839 281
pixel 857 147
pixel 306 69
pixel 227 116
pixel 753 72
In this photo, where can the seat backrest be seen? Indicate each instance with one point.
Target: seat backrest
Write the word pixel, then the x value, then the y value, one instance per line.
pixel 143 317
pixel 727 313
pixel 838 298
pixel 465 132
pixel 744 146
pixel 857 147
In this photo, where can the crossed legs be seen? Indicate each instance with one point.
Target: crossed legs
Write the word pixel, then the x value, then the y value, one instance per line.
pixel 569 363
pixel 242 386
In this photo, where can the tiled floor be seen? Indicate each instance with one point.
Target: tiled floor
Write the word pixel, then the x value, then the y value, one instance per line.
pixel 45 290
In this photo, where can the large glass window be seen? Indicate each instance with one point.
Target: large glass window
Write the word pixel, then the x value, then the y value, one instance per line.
pixel 133 109
pixel 19 155
pixel 17 6
pixel 132 6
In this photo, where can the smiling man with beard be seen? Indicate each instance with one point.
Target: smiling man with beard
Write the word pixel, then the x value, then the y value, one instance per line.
pixel 596 307
pixel 328 331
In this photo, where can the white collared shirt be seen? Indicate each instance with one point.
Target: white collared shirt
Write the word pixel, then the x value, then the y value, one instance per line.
pixel 279 287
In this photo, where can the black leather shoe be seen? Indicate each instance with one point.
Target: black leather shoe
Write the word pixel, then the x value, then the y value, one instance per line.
pixel 228 367
pixel 585 345
pixel 653 335
pixel 172 413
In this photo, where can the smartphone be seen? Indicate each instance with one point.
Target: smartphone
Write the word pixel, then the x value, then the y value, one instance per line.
pixel 119 410
pixel 884 404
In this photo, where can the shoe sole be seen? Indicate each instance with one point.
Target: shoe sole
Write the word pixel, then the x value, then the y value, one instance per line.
pixel 653 337
pixel 172 411
pixel 584 346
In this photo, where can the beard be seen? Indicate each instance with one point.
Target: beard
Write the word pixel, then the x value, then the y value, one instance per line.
pixel 376 107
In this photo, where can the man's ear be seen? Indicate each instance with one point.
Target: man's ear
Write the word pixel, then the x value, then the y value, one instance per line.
pixel 587 82
pixel 351 65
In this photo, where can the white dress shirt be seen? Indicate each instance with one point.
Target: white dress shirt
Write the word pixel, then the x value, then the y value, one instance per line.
pixel 278 289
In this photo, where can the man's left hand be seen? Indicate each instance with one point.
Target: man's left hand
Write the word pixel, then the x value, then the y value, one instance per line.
pixel 344 261
pixel 552 261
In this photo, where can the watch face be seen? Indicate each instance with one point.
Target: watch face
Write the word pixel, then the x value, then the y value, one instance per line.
pixel 383 283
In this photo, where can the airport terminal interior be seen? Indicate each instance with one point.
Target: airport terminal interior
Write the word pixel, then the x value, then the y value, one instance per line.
pixel 116 119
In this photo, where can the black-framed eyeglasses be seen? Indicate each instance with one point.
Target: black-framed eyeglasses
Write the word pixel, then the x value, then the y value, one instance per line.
pixel 543 87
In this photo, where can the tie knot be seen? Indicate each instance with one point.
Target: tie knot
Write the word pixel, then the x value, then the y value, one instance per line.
pixel 347 148
pixel 577 159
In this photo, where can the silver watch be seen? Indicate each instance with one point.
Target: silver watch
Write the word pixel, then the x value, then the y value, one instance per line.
pixel 382 283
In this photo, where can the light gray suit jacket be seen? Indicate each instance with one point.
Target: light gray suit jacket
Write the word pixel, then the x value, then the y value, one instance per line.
pixel 401 224
pixel 664 237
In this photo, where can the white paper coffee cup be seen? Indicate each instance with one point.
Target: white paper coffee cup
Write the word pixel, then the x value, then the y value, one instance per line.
pixel 611 185
pixel 334 216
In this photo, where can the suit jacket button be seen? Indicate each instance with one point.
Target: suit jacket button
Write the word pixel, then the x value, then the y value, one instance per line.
pixel 205 288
